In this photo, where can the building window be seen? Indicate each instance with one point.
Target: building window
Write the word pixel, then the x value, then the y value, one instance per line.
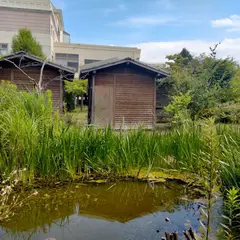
pixel 3 49
pixel 73 65
pixel 68 60
pixel 87 61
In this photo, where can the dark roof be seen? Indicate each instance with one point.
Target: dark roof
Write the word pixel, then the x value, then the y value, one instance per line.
pixel 87 68
pixel 22 56
pixel 159 66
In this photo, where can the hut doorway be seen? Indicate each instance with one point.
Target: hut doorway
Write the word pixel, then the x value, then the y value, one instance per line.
pixel 104 105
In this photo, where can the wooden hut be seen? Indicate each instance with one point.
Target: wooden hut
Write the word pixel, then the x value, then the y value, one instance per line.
pixel 26 70
pixel 122 92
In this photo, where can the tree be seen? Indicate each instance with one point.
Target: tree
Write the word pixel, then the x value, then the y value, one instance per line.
pixel 181 59
pixel 77 87
pixel 235 86
pixel 24 41
pixel 205 78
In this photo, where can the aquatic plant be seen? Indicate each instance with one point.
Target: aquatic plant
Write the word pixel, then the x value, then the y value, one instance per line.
pixel 9 200
pixel 231 217
pixel 210 173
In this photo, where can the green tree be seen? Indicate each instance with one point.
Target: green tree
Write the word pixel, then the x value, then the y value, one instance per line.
pixel 181 59
pixel 206 79
pixel 235 86
pixel 77 88
pixel 24 41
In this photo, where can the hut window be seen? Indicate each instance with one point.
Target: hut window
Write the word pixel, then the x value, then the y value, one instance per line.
pixel 3 48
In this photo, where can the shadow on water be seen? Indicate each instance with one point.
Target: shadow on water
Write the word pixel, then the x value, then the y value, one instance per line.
pixel 108 211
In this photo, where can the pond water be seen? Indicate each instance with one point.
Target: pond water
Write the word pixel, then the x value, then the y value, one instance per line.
pixel 106 211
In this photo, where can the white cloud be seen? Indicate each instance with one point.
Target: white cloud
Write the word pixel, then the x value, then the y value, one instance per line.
pixel 155 52
pixel 231 24
pixel 148 20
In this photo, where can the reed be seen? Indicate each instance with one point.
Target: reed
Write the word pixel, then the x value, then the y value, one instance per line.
pixel 33 138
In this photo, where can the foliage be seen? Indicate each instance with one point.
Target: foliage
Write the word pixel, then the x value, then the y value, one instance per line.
pixel 235 86
pixel 232 214
pixel 76 87
pixel 32 138
pixel 179 108
pixel 24 41
pixel 180 60
pixel 208 80
pixel 226 113
pixel 35 139
pixel 210 172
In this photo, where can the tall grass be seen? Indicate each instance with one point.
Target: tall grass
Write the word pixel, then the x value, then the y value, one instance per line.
pixel 35 139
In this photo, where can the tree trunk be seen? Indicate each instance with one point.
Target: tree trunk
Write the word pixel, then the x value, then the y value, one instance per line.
pixel 81 102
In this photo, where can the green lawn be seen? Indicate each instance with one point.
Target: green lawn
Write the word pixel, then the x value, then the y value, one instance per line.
pixel 77 116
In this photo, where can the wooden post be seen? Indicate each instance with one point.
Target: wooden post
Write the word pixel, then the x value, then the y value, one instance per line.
pixel 154 101
pixel 114 100
pixel 167 235
pixel 175 236
pixel 191 233
pixel 186 235
pixel 81 102
pixel 61 109
pixel 93 94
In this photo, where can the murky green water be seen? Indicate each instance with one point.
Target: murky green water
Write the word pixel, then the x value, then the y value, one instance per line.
pixel 106 211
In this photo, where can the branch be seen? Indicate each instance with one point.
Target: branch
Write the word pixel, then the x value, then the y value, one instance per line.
pixel 40 85
pixel 57 78
pixel 15 65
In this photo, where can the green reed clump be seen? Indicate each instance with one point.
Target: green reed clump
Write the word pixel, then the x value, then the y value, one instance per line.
pixel 32 137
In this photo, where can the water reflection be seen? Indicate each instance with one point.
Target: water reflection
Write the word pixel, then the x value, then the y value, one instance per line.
pixel 109 211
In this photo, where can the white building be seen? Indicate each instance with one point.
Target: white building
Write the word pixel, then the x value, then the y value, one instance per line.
pixel 47 25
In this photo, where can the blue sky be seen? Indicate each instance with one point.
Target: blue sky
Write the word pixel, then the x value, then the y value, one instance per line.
pixel 165 25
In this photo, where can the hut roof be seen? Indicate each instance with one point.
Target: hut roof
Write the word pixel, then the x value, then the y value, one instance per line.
pixel 23 60
pixel 87 68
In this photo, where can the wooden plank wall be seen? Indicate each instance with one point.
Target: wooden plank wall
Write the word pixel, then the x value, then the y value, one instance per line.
pixel 51 82
pixel 134 97
pixel 134 101
pixel 103 100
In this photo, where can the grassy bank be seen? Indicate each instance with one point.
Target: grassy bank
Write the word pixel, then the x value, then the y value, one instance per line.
pixel 47 147
pixel 36 144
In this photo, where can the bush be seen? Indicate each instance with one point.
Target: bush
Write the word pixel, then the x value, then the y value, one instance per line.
pixel 225 113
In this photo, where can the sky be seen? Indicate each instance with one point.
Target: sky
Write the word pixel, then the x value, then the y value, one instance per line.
pixel 157 27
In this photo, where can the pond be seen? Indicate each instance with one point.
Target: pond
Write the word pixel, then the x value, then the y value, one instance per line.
pixel 123 210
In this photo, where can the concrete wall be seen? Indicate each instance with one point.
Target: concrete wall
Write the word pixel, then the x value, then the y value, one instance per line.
pixel 66 38
pixel 27 4
pixel 96 52
pixel 45 22
pixel 37 21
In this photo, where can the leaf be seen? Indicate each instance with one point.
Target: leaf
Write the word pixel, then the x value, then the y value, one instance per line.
pixel 46 195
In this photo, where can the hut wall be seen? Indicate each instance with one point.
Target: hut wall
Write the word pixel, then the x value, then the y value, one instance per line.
pixel 51 82
pixel 124 96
